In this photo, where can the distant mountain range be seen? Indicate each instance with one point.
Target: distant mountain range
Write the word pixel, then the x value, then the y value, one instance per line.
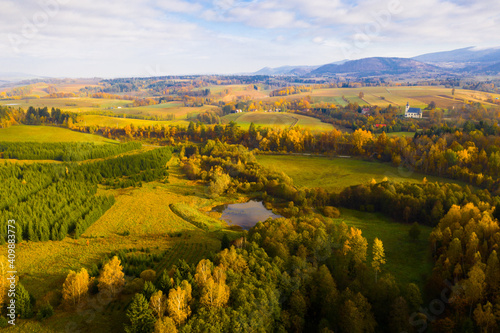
pixel 376 66
pixel 465 55
pixel 468 60
pixel 11 77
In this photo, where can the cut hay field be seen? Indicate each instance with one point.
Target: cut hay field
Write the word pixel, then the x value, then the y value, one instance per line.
pixel 338 173
pixel 104 121
pixel 26 133
pixel 73 104
pixel 277 120
pixel 161 110
pixel 408 261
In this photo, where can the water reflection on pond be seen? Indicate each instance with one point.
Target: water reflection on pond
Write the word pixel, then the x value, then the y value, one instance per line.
pixel 246 215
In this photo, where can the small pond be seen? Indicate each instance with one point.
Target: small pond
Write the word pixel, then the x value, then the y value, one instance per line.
pixel 246 215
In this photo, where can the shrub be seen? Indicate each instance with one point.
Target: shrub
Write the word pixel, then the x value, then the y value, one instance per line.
pixel 134 286
pixel 45 312
pixel 148 275
pixel 331 212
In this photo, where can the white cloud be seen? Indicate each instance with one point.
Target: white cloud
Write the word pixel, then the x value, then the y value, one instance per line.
pixel 113 36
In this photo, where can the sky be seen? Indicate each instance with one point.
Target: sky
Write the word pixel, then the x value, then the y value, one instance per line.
pixel 123 38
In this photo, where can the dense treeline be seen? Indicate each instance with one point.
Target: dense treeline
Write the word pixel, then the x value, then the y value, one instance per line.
pixel 290 90
pixel 465 246
pixel 50 201
pixel 63 151
pixel 38 116
pixel 125 171
pixel 208 117
pixel 425 203
pixel 293 275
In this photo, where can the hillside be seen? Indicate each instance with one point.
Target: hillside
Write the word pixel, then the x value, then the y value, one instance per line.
pixel 376 66
pixel 286 70
pixel 464 55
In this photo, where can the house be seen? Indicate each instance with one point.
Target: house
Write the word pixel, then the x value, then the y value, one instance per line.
pixel 365 111
pixel 412 112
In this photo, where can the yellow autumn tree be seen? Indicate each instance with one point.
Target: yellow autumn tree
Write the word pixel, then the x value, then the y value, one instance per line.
pixel 76 287
pixel 178 304
pixel 112 278
pixel 215 294
pixel 356 245
pixel 485 317
pixel 4 284
pixel 158 304
pixel 378 256
pixel 359 138
pixel 165 325
pixel 203 272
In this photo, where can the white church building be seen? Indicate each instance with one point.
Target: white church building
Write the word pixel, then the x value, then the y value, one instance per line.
pixel 412 112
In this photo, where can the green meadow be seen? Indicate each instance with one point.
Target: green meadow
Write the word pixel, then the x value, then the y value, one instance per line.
pixel 27 133
pixel 338 173
pixel 277 120
pixel 409 261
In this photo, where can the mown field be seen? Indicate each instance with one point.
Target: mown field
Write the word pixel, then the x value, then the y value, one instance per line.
pixel 47 134
pixel 409 261
pixel 277 120
pixel 338 173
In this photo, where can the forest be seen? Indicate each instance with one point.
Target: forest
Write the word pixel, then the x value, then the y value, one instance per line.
pixel 59 151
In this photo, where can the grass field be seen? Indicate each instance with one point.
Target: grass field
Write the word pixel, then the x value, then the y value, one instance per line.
pixel 104 121
pixel 277 120
pixel 338 173
pixel 47 134
pixel 401 134
pixel 408 261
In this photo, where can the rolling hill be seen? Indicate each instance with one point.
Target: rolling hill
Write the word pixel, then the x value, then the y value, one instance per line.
pixel 464 55
pixel 376 66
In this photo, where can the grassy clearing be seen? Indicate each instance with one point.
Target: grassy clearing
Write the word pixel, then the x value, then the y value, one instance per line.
pixel 277 120
pixel 337 173
pixel 408 261
pixel 26 133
